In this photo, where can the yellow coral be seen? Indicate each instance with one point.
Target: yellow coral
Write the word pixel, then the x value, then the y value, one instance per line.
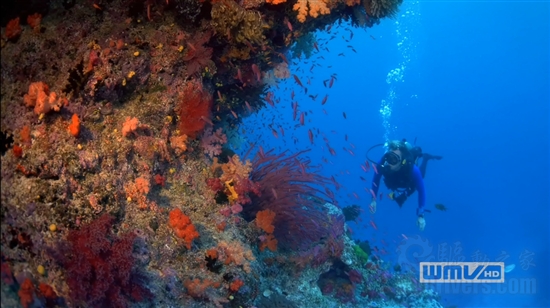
pixel 316 7
pixel 233 194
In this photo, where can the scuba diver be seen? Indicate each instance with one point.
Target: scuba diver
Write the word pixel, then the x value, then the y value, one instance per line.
pixel 402 175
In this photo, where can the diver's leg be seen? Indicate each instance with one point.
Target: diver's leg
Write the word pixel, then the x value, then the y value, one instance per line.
pixel 425 158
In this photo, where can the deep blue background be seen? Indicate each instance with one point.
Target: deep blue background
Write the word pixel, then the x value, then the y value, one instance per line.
pixel 476 90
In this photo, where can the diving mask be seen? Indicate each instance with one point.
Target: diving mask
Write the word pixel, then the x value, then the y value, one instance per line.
pixel 392 159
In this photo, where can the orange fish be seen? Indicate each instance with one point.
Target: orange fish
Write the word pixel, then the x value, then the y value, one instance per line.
pixel 274 133
pixel 302 118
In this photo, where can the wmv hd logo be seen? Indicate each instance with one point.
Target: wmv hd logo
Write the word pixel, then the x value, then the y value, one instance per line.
pixel 462 272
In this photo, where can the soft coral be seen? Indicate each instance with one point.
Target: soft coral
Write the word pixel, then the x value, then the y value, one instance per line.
pixel 194 109
pixel 99 266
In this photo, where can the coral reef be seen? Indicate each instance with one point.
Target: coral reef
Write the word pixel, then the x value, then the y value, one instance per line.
pixel 119 186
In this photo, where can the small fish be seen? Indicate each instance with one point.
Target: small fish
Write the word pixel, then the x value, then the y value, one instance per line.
pixel 302 118
pixel 373 225
pixel 344 114
pixel 256 71
pixel 372 37
pixel 298 81
pixel 324 100
pixel 404 236
pixel 248 106
pixel 441 207
pixel 234 114
pixel 274 133
pixel 274 193
pixel 331 82
pixel 310 133
pixel 282 130
pixel 288 24
pixel 207 120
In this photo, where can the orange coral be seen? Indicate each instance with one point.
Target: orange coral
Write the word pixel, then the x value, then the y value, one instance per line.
pixel 74 127
pixel 234 252
pixel 41 99
pixel 235 169
pixel 138 191
pixel 264 220
pixel 13 29
pixel 236 285
pixel 179 144
pixel 182 227
pixel 268 241
pixel 130 126
pixel 17 151
pixel 197 288
pixel 34 21
pixel 313 7
pixel 25 134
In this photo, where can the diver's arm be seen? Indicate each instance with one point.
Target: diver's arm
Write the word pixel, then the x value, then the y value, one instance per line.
pixel 419 184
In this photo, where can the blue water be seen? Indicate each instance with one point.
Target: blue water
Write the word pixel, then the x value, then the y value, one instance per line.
pixel 473 86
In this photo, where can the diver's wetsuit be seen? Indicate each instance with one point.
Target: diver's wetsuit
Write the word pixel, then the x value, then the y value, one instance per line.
pixel 410 179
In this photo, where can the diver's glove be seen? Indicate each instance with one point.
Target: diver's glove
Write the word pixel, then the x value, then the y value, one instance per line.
pixel 421 223
pixel 372 206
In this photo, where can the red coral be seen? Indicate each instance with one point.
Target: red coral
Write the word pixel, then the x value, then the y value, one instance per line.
pixel 292 189
pixel 215 184
pixel 26 293
pixel 198 56
pixel 194 109
pixel 99 266
pixel 49 294
pixel 183 227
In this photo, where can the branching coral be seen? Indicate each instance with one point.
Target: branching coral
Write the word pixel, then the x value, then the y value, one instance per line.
pixel 292 189
pixel 382 8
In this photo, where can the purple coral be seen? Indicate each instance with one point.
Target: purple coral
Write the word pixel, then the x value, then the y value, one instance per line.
pixel 211 142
